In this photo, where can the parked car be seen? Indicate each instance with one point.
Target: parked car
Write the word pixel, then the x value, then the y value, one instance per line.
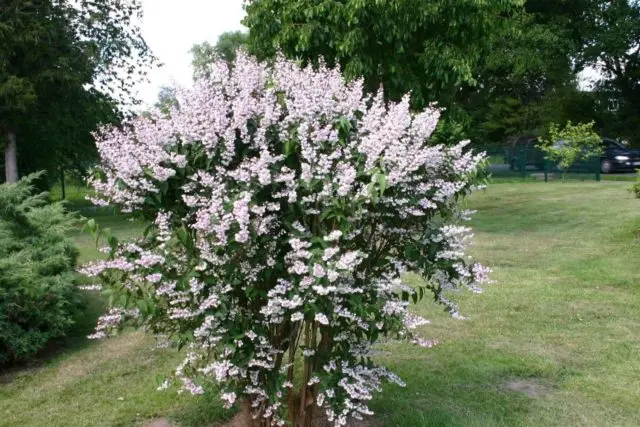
pixel 526 146
pixel 618 158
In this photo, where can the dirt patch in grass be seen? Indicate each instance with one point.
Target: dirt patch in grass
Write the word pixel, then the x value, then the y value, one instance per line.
pixel 240 420
pixel 159 422
pixel 109 350
pixel 531 388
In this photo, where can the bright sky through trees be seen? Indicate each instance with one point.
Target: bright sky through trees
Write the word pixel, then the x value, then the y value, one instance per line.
pixel 171 28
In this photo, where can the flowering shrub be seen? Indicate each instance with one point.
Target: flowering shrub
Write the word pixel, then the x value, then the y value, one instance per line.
pixel 284 208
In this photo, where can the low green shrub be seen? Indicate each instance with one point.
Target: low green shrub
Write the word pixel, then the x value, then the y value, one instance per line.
pixel 38 282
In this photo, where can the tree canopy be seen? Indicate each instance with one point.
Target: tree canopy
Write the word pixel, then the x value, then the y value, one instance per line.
pixel 430 48
pixel 501 68
pixel 205 53
pixel 612 46
pixel 63 65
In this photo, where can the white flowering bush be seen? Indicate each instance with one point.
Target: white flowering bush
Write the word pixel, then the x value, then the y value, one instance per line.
pixel 285 206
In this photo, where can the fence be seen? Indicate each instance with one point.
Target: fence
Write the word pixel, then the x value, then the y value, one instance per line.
pixel 529 163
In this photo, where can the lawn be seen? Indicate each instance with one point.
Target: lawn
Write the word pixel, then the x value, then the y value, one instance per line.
pixel 554 342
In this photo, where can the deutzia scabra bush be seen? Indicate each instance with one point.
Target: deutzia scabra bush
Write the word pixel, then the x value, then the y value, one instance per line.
pixel 284 206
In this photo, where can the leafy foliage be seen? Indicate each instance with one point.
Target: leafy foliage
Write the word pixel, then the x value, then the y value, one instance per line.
pixel 166 99
pixel 573 142
pixel 428 48
pixel 500 68
pixel 64 64
pixel 612 46
pixel 527 79
pixel 284 207
pixel 225 48
pixel 38 294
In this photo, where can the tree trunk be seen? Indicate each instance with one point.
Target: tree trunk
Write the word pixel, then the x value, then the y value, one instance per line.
pixel 305 416
pixel 11 157
pixel 245 418
pixel 64 193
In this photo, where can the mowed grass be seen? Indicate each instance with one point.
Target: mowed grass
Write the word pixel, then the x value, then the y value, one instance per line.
pixel 554 342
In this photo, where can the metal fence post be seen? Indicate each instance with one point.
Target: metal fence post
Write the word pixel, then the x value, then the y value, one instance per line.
pixel 596 165
pixel 64 190
pixel 523 162
pixel 547 169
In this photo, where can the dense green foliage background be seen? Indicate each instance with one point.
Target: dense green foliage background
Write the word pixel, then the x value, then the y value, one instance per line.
pixel 501 68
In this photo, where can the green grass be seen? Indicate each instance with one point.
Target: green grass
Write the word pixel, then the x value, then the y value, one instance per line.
pixel 561 322
pixel 75 193
pixel 513 177
pixel 122 227
pixel 562 317
pixel 621 177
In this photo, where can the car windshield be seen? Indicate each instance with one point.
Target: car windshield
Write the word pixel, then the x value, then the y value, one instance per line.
pixel 611 144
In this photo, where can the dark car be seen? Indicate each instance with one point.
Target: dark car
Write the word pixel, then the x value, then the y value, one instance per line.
pixel 618 158
pixel 524 151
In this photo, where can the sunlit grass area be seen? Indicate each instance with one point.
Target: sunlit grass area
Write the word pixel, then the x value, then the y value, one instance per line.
pixel 554 342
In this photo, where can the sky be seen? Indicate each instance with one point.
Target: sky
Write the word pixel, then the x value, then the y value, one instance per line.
pixel 171 27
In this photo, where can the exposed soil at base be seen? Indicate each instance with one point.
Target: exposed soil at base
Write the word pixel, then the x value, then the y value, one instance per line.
pixel 240 420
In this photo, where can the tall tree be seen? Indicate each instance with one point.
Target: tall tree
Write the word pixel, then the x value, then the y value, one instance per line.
pixel 527 78
pixel 613 48
pixel 430 48
pixel 166 99
pixel 225 48
pixel 500 67
pixel 61 64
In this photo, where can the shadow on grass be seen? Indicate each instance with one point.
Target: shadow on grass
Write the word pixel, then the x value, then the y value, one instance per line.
pixel 91 304
pixel 91 307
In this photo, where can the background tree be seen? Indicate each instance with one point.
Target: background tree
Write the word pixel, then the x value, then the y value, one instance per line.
pixel 612 30
pixel 428 48
pixel 529 76
pixel 166 99
pixel 501 68
pixel 63 65
pixel 225 48
pixel 524 64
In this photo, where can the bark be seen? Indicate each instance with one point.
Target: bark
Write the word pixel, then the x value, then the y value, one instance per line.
pixel 247 420
pixel 308 393
pixel 293 397
pixel 11 157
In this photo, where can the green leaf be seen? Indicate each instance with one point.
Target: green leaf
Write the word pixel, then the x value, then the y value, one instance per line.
pixel 143 306
pixel 91 226
pixel 160 379
pixel 382 182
